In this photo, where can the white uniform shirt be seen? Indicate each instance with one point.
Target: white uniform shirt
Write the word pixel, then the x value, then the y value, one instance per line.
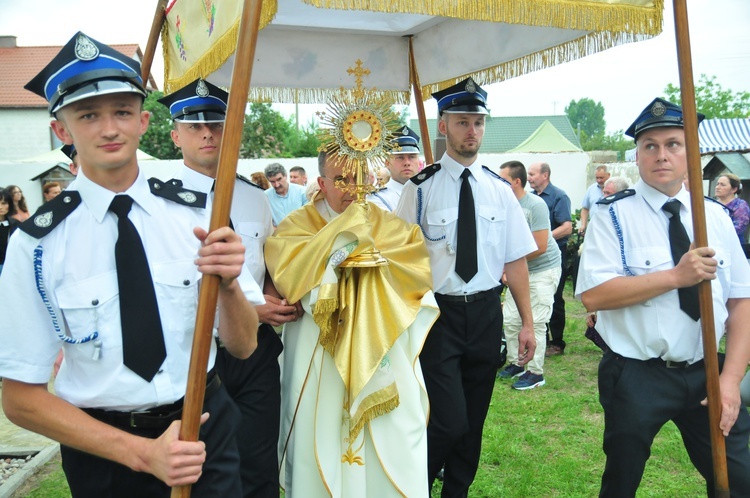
pixel 388 197
pixel 502 232
pixel 250 215
pixel 657 328
pixel 79 278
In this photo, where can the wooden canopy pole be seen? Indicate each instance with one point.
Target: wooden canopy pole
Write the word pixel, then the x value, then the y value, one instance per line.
pixel 153 38
pixel 695 177
pixel 225 178
pixel 417 90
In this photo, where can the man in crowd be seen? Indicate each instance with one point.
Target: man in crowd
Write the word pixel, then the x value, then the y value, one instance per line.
pixel 402 164
pixel 475 232
pixel 198 111
pixel 558 204
pixel 640 272
pixel 298 175
pixel 544 275
pixel 593 194
pixel 284 197
pixel 354 408
pixel 123 304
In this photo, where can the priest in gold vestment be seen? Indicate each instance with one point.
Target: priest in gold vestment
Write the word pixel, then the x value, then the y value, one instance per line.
pixel 354 408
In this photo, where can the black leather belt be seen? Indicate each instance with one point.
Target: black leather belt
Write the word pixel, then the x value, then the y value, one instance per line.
pixel 670 363
pixel 470 298
pixel 158 417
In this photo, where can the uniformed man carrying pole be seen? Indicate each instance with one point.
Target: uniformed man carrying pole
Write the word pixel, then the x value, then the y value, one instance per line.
pixel 639 270
pixel 110 271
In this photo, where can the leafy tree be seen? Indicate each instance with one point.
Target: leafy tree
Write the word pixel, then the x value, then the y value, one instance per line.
pixel 157 140
pixel 587 114
pixel 712 100
pixel 303 142
pixel 265 132
pixel 616 141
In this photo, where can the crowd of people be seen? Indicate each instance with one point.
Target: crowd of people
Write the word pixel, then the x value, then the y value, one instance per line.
pixel 333 372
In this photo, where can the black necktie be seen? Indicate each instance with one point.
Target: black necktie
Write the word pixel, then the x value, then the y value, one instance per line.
pixel 680 243
pixel 466 252
pixel 143 349
pixel 213 188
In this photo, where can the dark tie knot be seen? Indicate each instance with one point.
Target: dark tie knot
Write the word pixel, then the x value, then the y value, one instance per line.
pixel 121 205
pixel 672 207
pixel 465 174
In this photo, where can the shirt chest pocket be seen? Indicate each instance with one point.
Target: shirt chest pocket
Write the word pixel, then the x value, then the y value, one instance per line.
pixel 644 260
pixel 491 224
pixel 90 306
pixel 441 224
pixel 253 238
pixel 176 284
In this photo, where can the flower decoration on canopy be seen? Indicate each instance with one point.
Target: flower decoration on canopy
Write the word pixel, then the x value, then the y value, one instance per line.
pixel 360 131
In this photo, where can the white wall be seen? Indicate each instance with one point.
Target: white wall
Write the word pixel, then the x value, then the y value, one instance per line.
pixel 25 133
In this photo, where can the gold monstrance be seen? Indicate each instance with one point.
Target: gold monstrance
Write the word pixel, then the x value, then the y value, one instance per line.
pixel 361 133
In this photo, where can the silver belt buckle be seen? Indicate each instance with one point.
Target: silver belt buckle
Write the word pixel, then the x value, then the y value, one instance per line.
pixel 675 364
pixel 132 417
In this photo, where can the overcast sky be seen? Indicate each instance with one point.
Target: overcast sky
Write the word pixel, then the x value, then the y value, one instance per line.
pixel 624 79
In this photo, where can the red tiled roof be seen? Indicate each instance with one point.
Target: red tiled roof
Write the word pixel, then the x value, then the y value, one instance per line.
pixel 21 64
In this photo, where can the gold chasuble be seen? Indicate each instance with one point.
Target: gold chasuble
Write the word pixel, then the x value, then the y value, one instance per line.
pixel 354 407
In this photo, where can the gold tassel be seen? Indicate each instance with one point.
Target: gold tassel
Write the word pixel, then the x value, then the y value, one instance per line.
pixel 357 423
pixel 318 95
pixel 323 317
pixel 585 15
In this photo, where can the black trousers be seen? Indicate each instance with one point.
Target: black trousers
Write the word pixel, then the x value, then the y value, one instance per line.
pixel 254 386
pixel 92 477
pixel 638 398
pixel 557 320
pixel 459 362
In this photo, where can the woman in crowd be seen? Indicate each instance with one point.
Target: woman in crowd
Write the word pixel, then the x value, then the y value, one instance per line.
pixel 728 189
pixel 7 223
pixel 260 179
pixel 19 203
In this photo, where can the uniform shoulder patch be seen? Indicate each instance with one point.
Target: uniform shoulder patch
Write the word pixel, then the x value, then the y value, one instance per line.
pixel 174 191
pixel 628 192
pixel 425 174
pixel 49 215
pixel 495 175
pixel 248 181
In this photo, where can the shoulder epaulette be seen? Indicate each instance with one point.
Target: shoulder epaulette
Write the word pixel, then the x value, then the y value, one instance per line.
pixel 723 206
pixel 49 215
pixel 616 196
pixel 248 181
pixel 381 190
pixel 488 170
pixel 174 191
pixel 425 173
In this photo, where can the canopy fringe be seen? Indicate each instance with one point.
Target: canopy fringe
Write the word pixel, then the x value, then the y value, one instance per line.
pixel 631 16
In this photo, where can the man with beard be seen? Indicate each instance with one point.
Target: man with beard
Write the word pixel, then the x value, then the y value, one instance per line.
pixel 475 230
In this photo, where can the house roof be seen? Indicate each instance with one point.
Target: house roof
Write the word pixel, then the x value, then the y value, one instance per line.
pixel 734 162
pixel 25 62
pixel 546 138
pixel 503 133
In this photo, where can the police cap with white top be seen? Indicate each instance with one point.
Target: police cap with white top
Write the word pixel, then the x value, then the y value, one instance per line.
pixel 86 68
pixel 466 97
pixel 406 140
pixel 659 113
pixel 197 102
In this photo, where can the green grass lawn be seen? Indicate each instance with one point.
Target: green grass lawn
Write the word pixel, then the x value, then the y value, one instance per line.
pixel 546 442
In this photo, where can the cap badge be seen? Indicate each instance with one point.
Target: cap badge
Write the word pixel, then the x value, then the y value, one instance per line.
pixel 405 132
pixel 188 197
pixel 470 86
pixel 658 109
pixel 85 49
pixel 43 220
pixel 201 90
